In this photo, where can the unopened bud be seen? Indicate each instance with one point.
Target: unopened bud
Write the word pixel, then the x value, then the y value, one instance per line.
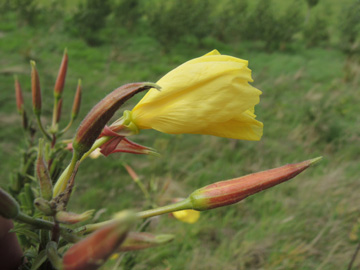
pixel 19 96
pixel 60 81
pixel 92 125
pixel 9 208
pixel 43 174
pixel 234 190
pixel 35 89
pixel 44 206
pixel 77 101
pixel 72 218
pixel 142 240
pixel 91 252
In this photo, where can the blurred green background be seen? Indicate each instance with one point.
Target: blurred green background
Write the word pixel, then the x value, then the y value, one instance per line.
pixel 305 57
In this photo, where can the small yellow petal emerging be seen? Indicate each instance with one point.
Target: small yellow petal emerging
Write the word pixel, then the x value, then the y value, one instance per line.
pixel 188 216
pixel 96 153
pixel 206 95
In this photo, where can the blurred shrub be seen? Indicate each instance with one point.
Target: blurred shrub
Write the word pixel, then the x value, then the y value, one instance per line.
pixel 229 20
pixel 349 26
pixel 316 31
pixel 89 19
pixel 28 12
pixel 126 13
pixel 275 31
pixel 174 21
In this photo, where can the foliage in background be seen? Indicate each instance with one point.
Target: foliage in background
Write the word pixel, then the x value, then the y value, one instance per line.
pixel 89 19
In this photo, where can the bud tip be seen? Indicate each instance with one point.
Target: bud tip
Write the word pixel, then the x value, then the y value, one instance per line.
pixel 315 160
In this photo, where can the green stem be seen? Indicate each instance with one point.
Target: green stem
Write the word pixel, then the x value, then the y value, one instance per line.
pixel 65 176
pixel 182 205
pixel 39 223
pixel 38 120
pixel 44 224
pixel 67 127
pixel 99 142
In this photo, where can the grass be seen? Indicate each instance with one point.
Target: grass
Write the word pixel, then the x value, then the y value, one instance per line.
pixel 308 109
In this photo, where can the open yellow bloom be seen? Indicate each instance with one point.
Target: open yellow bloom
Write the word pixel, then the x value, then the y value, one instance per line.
pixel 210 94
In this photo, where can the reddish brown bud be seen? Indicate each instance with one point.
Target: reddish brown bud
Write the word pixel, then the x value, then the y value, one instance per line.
pixel 142 240
pixel 92 125
pixel 234 190
pixel 9 208
pixel 77 101
pixel 35 89
pixel 91 252
pixel 60 81
pixel 19 96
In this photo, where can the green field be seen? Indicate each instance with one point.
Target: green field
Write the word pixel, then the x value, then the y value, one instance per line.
pixel 309 107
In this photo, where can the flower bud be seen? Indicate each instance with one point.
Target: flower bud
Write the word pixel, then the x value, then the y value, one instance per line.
pixel 19 96
pixel 60 81
pixel 72 218
pixel 92 125
pixel 43 174
pixel 91 252
pixel 35 89
pixel 142 240
pixel 77 101
pixel 234 190
pixel 9 208
pixel 44 206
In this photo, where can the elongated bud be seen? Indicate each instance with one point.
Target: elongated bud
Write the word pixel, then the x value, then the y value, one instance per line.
pixel 44 206
pixel 92 125
pixel 35 89
pixel 77 101
pixel 19 97
pixel 142 240
pixel 234 190
pixel 43 174
pixel 9 208
pixel 91 252
pixel 60 81
pixel 72 218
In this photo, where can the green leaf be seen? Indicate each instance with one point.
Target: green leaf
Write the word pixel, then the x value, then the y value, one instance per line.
pixel 39 260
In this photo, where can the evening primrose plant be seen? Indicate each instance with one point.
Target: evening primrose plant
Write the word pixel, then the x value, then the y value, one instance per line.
pixel 208 95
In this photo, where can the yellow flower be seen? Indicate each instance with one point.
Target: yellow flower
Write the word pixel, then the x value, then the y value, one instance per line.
pixel 188 216
pixel 210 94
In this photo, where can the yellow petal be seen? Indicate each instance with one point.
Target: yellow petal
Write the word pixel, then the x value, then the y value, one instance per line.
pixel 202 96
pixel 188 216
